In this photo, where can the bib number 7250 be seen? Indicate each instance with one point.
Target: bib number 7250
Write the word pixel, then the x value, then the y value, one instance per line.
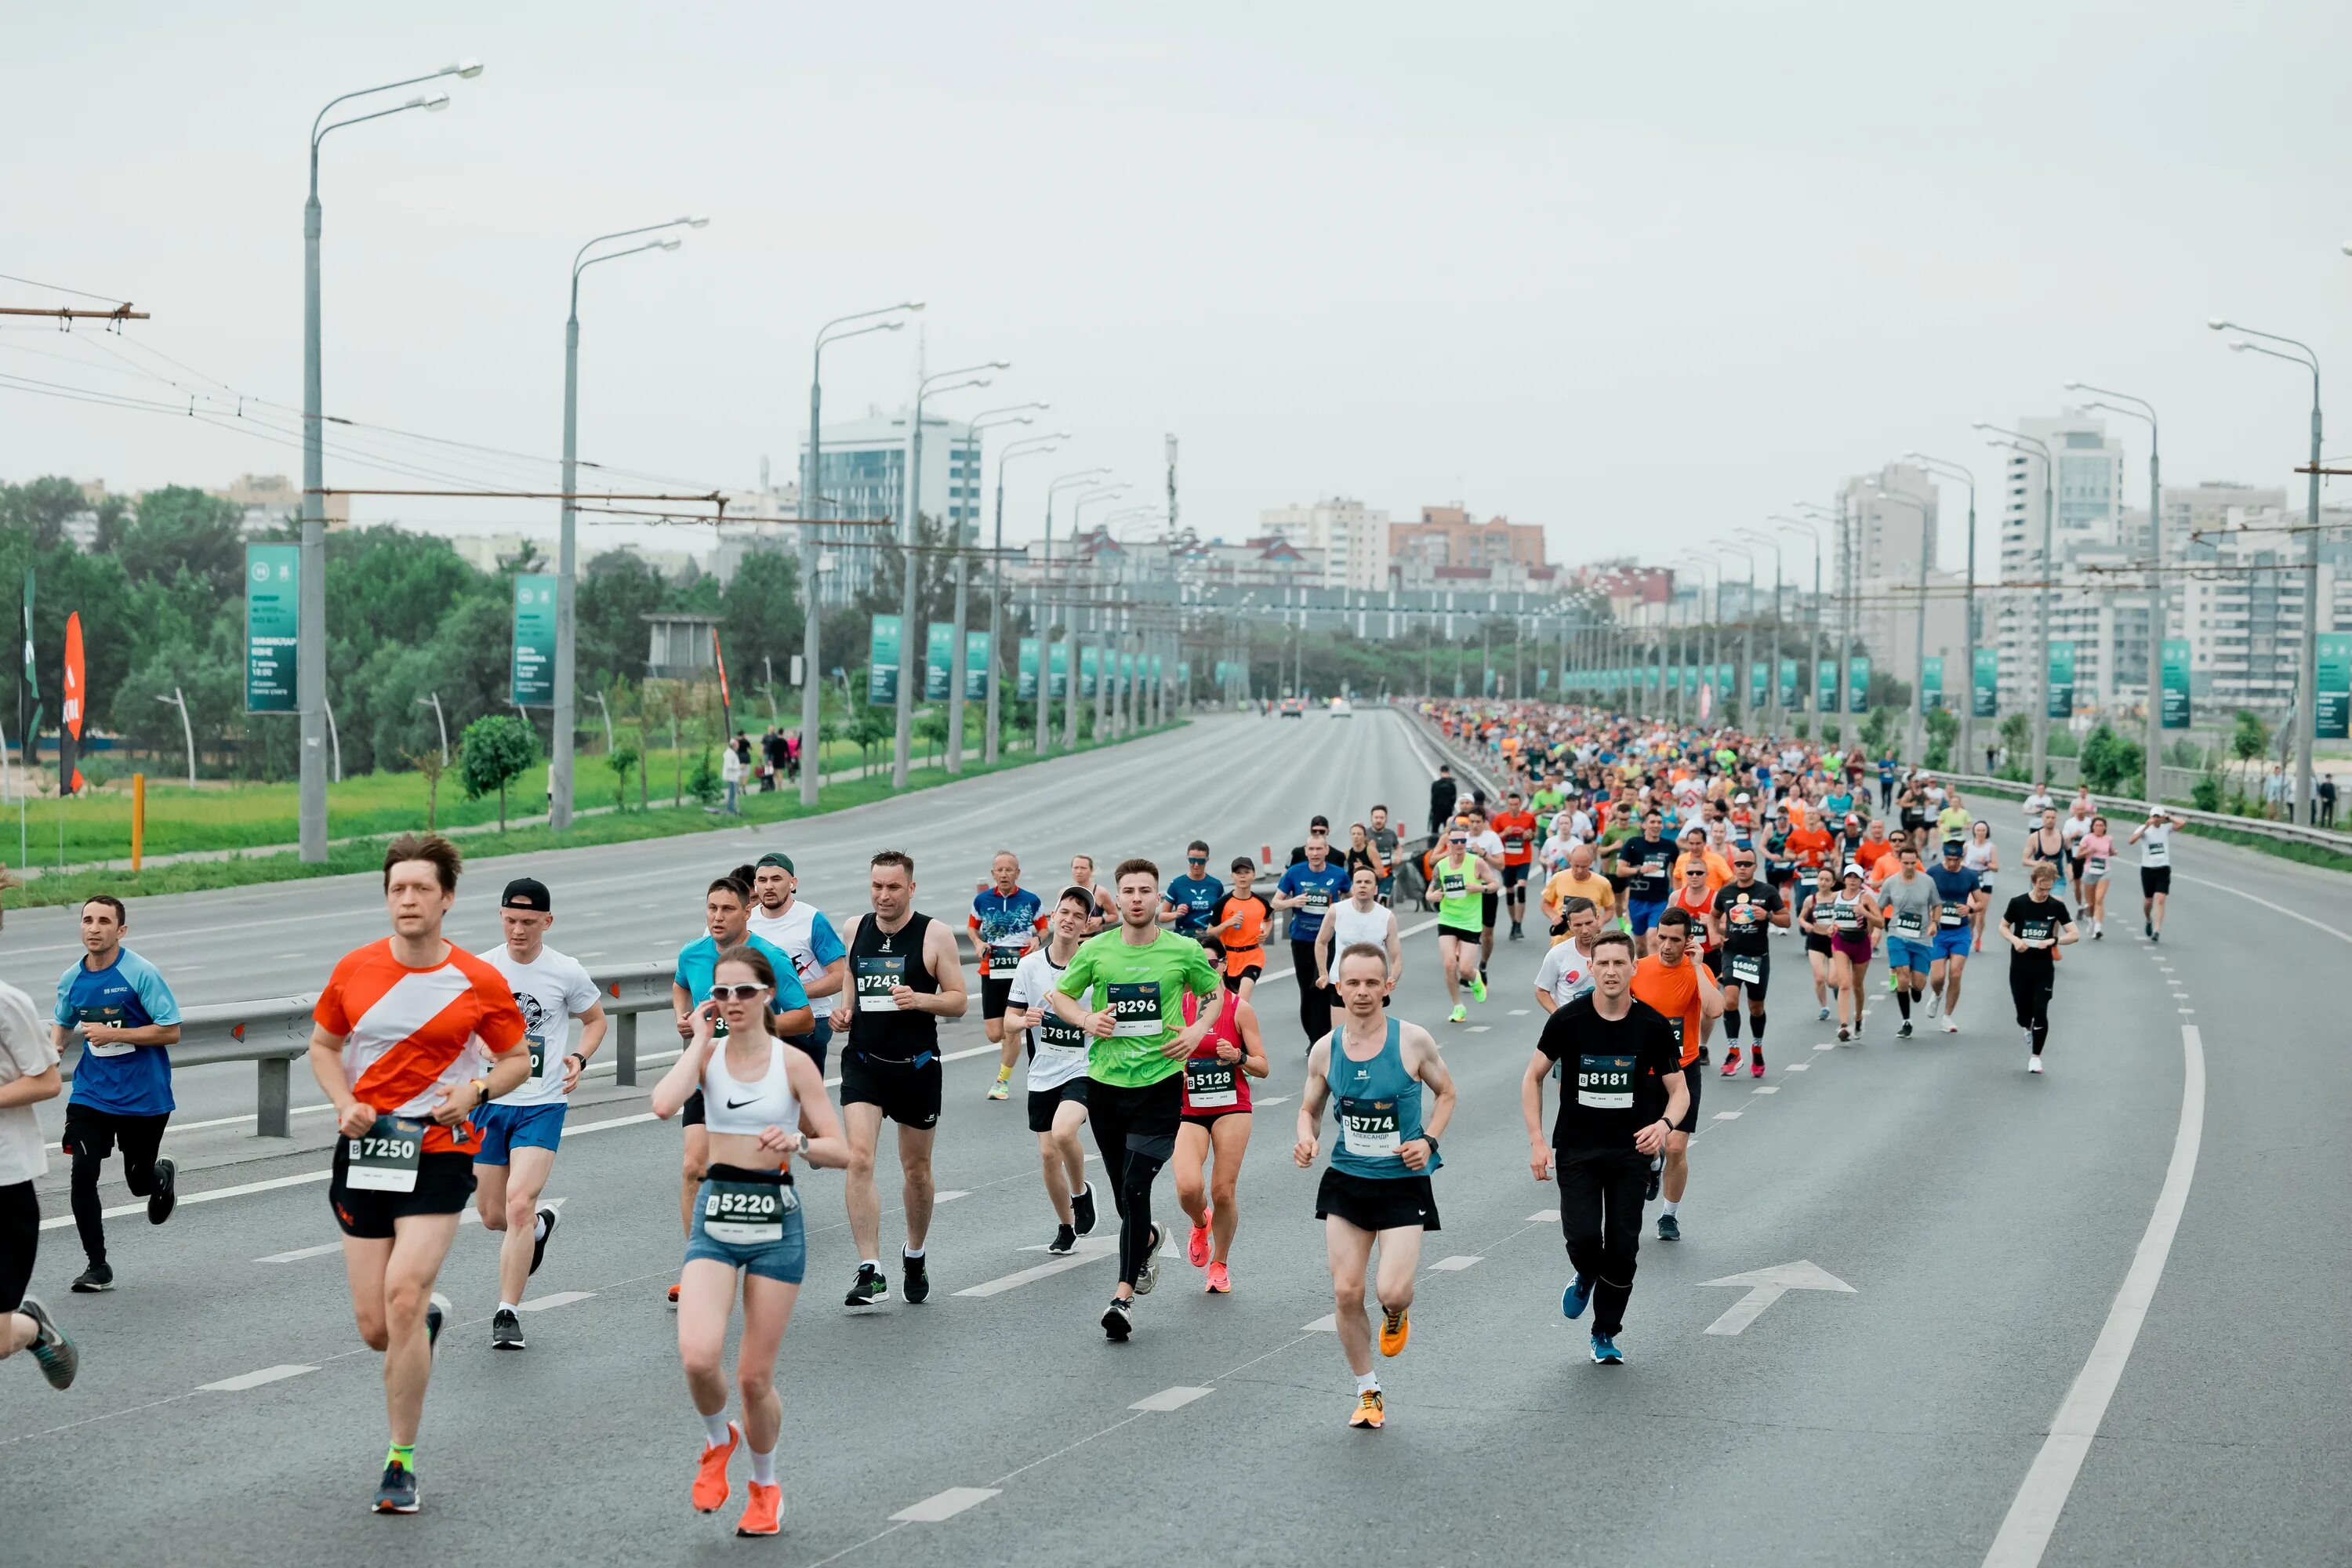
pixel 384 1158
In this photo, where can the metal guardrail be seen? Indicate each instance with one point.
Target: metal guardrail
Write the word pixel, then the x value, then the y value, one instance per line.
pixel 2119 805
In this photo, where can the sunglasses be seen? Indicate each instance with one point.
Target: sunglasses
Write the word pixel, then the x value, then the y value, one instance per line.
pixel 736 992
pixel 1197 859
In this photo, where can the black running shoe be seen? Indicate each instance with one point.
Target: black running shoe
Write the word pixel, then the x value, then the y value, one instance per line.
pixel 1669 1228
pixel 166 1194
pixel 1064 1242
pixel 1650 1192
pixel 96 1278
pixel 869 1289
pixel 506 1330
pixel 436 1313
pixel 1705 1057
pixel 1082 1209
pixel 916 1279
pixel 1905 1032
pixel 398 1492
pixel 546 1218
pixel 1117 1320
pixel 56 1354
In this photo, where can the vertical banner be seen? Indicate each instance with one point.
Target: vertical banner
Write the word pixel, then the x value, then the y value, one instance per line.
pixel 2061 704
pixel 1858 683
pixel 939 643
pixel 726 697
pixel 1788 684
pixel 1024 686
pixel 2334 689
pixel 1757 684
pixel 1058 671
pixel 1931 683
pixel 1088 656
pixel 2176 683
pixel 975 666
pixel 273 605
pixel 32 728
pixel 882 655
pixel 75 701
pixel 530 681
pixel 1824 687
pixel 1543 681
pixel 1988 683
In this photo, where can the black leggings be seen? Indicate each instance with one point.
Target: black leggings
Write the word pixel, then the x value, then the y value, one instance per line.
pixel 1129 1131
pixel 2030 989
pixel 91 1137
pixel 1314 1001
pixel 20 1236
pixel 1601 1216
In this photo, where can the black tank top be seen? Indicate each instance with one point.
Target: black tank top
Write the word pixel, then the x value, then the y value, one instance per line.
pixel 879 959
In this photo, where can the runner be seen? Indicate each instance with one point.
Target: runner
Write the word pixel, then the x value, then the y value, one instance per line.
pixel 2098 848
pixel 1384 844
pixel 1959 903
pixel 2154 838
pixel 1487 845
pixel 782 918
pixel 1082 873
pixel 1458 879
pixel 1629 1092
pixel 2074 830
pixel 1854 916
pixel 1136 1095
pixel 1309 887
pixel 766 1104
pixel 1813 919
pixel 1517 828
pixel 1190 905
pixel 29 1075
pixel 1911 902
pixel 1217 1118
pixel 1376 1190
pixel 1057 1070
pixel 1364 920
pixel 519 1129
pixel 2035 926
pixel 905 976
pixel 1979 854
pixel 1565 972
pixel 1745 913
pixel 1644 861
pixel 410 1036
pixel 1577 882
pixel 117 1002
pixel 1242 921
pixel 1673 981
pixel 1006 920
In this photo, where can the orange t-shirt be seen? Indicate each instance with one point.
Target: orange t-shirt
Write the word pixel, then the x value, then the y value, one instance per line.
pixel 1517 825
pixel 1697 911
pixel 1718 871
pixel 1241 926
pixel 1674 992
pixel 409 1033
pixel 1809 845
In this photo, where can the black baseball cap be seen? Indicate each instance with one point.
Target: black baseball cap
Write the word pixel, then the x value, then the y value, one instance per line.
pixel 527 893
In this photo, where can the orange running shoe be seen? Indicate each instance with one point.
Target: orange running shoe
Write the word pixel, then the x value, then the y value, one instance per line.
pixel 760 1514
pixel 711 1475
pixel 1221 1283
pixel 1198 1247
pixel 1369 1412
pixel 673 1295
pixel 1395 1329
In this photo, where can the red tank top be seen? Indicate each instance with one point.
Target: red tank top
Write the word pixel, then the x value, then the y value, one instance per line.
pixel 1225 1031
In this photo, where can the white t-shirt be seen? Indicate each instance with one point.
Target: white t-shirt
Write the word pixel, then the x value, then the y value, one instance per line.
pixel 1489 843
pixel 795 931
pixel 551 989
pixel 1057 1050
pixel 25 1052
pixel 2156 846
pixel 2073 828
pixel 1565 972
pixel 2035 805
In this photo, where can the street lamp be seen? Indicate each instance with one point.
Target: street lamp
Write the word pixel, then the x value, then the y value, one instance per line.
pixel 1044 712
pixel 558 771
pixel 1813 699
pixel 959 653
pixel 311 648
pixel 1070 712
pixel 1841 670
pixel 812 689
pixel 1744 681
pixel 1774 717
pixel 2307 679
pixel 1945 468
pixel 1997 436
pixel 945 380
pixel 2157 614
pixel 1028 446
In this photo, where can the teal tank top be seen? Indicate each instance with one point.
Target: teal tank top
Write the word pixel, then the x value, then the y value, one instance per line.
pixel 1378 1106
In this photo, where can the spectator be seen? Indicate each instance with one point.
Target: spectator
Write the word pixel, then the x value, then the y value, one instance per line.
pixel 2327 794
pixel 1443 791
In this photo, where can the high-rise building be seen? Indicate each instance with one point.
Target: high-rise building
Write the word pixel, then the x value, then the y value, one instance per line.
pixel 1352 537
pixel 1445 536
pixel 862 473
pixel 2087 487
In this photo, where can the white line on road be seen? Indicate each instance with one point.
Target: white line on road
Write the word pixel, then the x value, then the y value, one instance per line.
pixel 560 1299
pixel 1089 1248
pixel 1727 1116
pixel 1518 1012
pixel 301 1253
pixel 1174 1398
pixel 1764 1088
pixel 1478 1028
pixel 254 1379
pixel 949 1197
pixel 1826 1046
pixel 2033 1515
pixel 187 1198
pixel 1796 1067
pixel 1271 1100
pixel 2281 908
pixel 1327 1324
pixel 1455 1264
pixel 1542 1215
pixel 947 1504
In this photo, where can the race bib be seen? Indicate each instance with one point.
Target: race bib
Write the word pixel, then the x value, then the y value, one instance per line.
pixel 1954 915
pixel 1606 1083
pixel 1675 1024
pixel 1452 883
pixel 1003 961
pixel 1368 1127
pixel 113 1015
pixel 2096 866
pixel 384 1158
pixel 1134 1010
pixel 1054 1034
pixel 1653 868
pixel 877 974
pixel 537 1044
pixel 1846 916
pixel 1210 1083
pixel 1514 845
pixel 1319 899
pixel 2034 930
pixel 1746 969
pixel 1911 922
pixel 2154 853
pixel 747 1214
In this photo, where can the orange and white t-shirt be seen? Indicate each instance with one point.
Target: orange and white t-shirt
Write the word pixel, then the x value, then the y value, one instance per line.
pixel 408 1032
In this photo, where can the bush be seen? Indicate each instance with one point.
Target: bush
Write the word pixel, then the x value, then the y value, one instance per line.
pixel 703 783
pixel 491 754
pixel 2111 764
pixel 2062 743
pixel 621 759
pixel 2206 794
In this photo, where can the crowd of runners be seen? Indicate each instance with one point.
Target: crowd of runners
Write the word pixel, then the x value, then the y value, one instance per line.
pixel 1660 869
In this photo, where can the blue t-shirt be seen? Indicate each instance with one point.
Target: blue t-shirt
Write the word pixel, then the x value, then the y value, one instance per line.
pixel 697 961
pixel 1008 917
pixel 1198 897
pixel 1953 886
pixel 1331 882
pixel 130 994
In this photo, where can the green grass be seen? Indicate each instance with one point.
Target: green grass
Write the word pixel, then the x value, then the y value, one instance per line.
pixel 367 854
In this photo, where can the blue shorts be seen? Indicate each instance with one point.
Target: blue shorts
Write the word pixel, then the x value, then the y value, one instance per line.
pixel 1644 914
pixel 785 1260
pixel 505 1127
pixel 1902 952
pixel 1953 942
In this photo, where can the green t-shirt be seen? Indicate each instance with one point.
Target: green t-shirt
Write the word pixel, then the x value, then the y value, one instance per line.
pixel 1459 904
pixel 1952 822
pixel 1548 800
pixel 1117 970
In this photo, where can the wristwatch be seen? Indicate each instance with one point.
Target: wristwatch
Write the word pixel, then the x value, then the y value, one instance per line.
pixel 481 1093
pixel 1430 1141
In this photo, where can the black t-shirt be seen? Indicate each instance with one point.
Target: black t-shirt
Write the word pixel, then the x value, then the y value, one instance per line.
pixel 2030 922
pixel 1612 1074
pixel 1747 914
pixel 1635 858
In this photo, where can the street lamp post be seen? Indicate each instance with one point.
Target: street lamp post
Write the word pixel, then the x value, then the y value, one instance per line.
pixel 1030 446
pixel 1070 709
pixel 2159 612
pixel 1044 710
pixel 959 654
pixel 559 768
pixel 911 568
pixel 1774 717
pixel 2040 685
pixel 1812 697
pixel 1949 469
pixel 1744 682
pixel 310 647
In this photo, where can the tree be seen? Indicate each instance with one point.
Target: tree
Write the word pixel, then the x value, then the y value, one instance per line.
pixel 1943 729
pixel 2017 745
pixel 2109 763
pixel 760 615
pixel 621 759
pixel 493 754
pixel 428 765
pixel 38 511
pixel 176 529
pixel 2249 740
pixel 617 590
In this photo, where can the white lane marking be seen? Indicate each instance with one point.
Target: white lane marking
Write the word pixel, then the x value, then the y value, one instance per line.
pixel 1327 1324
pixel 254 1379
pixel 1766 1286
pixel 1271 1100
pixel 2280 909
pixel 187 1198
pixel 585 1128
pixel 949 1197
pixel 1764 1088
pixel 1798 1067
pixel 2185 1012
pixel 1727 1116
pixel 947 1504
pixel 1519 1012
pixel 1541 1215
pixel 645 1059
pixel 1826 1046
pixel 1089 1248
pixel 560 1299
pixel 2025 1533
pixel 1174 1398
pixel 1455 1264
pixel 474 1215
pixel 1478 1028
pixel 301 1253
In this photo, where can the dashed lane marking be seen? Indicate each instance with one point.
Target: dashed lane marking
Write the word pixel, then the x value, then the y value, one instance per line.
pixel 560 1299
pixel 301 1253
pixel 1174 1398
pixel 949 1197
pixel 187 1198
pixel 946 1505
pixel 1764 1088
pixel 1455 1264
pixel 1798 1067
pixel 1477 1028
pixel 1088 1249
pixel 238 1384
pixel 1329 1323
pixel 1727 1116
pixel 1542 1215
pixel 1518 1012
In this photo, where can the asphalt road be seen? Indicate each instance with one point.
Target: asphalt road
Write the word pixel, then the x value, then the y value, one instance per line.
pixel 1985 1221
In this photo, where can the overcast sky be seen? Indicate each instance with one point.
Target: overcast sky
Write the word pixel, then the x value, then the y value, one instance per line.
pixel 1642 274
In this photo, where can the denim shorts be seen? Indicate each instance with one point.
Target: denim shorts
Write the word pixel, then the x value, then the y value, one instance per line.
pixel 786 1259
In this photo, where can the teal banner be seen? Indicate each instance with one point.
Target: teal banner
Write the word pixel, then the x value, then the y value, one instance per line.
pixel 1087 658
pixel 1931 683
pixel 1126 686
pixel 2334 685
pixel 1824 688
pixel 531 682
pixel 975 666
pixel 939 643
pixel 2176 683
pixel 1758 683
pixel 1543 680
pixel 882 655
pixel 1057 672
pixel 2061 680
pixel 272 627
pixel 1025 683
pixel 1988 683
pixel 1787 683
pixel 1858 683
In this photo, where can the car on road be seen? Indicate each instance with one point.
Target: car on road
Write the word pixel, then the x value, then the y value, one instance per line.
pixel 1294 707
pixel 1342 708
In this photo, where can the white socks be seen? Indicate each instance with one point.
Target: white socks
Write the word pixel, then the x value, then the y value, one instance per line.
pixel 763 1468
pixel 505 1305
pixel 1673 1206
pixel 539 1226
pixel 1368 1383
pixel 916 1252
pixel 715 1430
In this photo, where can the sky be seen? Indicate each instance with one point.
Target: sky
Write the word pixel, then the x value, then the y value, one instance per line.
pixel 1641 274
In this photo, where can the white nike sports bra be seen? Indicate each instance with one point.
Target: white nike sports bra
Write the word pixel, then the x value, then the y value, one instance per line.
pixel 750 1109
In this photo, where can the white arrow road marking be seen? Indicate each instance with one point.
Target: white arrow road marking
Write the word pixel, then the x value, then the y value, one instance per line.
pixel 949 1503
pixel 254 1379
pixel 1089 1248
pixel 1766 1286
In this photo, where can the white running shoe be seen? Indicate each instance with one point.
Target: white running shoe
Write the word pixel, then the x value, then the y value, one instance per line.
pixel 2033 1064
pixel 1950 1027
